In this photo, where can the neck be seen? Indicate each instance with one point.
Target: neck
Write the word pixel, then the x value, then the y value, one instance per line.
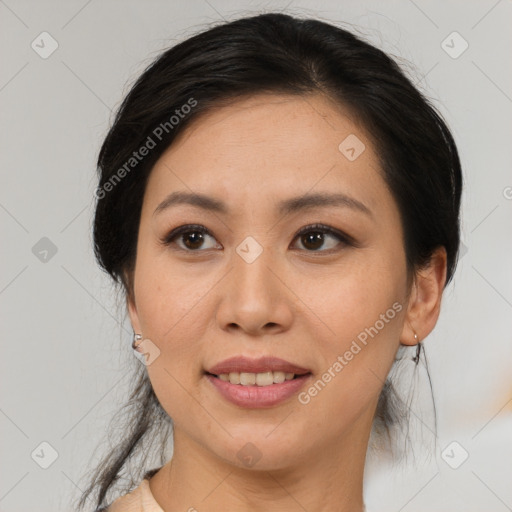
pixel 331 479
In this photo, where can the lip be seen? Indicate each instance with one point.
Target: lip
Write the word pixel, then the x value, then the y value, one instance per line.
pixel 259 365
pixel 258 397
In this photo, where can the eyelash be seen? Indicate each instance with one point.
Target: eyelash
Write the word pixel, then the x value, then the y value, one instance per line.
pixel 168 240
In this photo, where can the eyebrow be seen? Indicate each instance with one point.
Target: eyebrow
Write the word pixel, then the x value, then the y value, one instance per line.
pixel 285 207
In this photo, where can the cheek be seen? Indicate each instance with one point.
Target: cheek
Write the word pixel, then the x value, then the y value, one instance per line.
pixel 357 352
pixel 351 299
pixel 169 295
pixel 361 313
pixel 168 306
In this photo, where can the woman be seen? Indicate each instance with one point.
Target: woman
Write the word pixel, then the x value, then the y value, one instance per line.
pixel 281 208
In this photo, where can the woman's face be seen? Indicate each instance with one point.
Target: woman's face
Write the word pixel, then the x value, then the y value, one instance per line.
pixel 241 282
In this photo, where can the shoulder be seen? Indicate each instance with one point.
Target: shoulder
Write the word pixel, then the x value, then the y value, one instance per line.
pixel 131 502
pixel 139 499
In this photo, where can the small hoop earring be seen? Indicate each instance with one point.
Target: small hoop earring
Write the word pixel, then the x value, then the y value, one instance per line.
pixel 416 358
pixel 136 341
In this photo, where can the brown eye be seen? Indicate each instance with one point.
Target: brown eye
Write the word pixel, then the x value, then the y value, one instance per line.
pixel 313 238
pixel 192 238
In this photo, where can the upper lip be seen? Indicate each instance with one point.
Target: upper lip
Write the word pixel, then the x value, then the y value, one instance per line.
pixel 260 365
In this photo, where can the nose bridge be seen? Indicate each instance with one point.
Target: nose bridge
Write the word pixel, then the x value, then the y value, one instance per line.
pixel 252 262
pixel 253 296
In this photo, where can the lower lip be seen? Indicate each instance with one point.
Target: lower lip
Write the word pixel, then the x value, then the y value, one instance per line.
pixel 258 396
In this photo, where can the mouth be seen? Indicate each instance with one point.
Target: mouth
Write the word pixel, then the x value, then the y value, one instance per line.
pixel 261 367
pixel 257 383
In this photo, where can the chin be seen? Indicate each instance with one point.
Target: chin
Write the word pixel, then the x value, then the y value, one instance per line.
pixel 261 450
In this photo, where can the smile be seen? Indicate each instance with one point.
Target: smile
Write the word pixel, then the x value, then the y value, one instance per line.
pixel 247 393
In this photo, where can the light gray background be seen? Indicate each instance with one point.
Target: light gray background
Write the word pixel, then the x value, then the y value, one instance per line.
pixel 66 357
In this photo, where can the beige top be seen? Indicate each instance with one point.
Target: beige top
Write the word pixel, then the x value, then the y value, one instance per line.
pixel 139 500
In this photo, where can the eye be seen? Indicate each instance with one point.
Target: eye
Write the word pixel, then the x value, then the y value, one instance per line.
pixel 192 237
pixel 314 237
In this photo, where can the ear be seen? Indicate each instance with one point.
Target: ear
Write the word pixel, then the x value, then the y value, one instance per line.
pixel 130 302
pixel 132 311
pixel 425 299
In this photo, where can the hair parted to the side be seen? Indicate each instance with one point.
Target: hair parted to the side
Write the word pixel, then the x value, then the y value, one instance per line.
pixel 274 53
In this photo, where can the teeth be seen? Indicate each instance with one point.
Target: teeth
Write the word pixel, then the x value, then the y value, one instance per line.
pixel 247 379
pixel 234 378
pixel 258 379
pixel 279 377
pixel 264 379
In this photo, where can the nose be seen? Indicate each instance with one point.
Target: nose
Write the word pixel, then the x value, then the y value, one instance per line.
pixel 254 297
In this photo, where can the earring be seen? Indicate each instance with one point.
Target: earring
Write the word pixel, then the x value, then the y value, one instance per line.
pixel 416 358
pixel 136 338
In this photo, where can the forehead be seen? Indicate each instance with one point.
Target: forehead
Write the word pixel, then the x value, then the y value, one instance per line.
pixel 268 147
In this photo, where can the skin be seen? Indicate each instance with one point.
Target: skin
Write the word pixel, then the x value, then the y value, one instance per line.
pixel 296 302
